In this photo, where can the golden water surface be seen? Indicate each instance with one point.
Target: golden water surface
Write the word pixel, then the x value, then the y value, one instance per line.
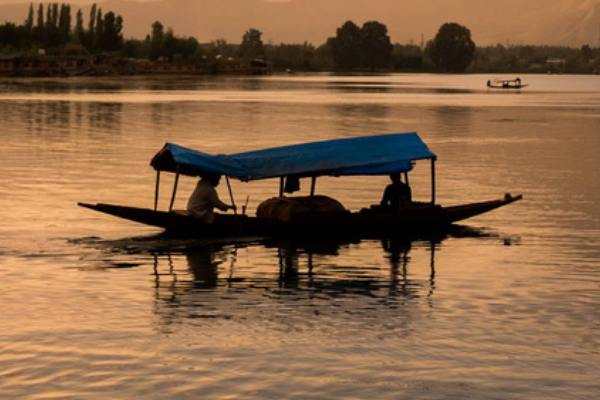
pixel 504 308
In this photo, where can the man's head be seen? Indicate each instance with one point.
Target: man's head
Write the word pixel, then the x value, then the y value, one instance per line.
pixel 395 178
pixel 213 179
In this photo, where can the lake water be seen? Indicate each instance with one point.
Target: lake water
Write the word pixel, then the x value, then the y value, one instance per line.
pixel 504 308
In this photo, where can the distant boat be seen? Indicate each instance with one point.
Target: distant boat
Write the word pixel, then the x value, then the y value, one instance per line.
pixel 506 84
pixel 368 155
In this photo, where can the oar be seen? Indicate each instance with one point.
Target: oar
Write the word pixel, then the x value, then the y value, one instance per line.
pixel 231 195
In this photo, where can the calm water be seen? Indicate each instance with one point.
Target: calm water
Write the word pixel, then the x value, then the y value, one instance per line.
pixel 93 307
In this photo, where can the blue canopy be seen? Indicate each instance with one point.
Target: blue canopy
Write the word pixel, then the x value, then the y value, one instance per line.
pixel 366 155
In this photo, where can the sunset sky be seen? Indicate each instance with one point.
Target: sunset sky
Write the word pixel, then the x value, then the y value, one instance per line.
pixel 565 22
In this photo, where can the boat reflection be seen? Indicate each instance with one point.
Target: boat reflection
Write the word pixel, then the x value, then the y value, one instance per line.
pixel 292 278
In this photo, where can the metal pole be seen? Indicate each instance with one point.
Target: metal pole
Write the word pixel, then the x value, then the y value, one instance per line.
pixel 156 189
pixel 406 178
pixel 433 180
pixel 174 191
pixel 313 184
pixel 281 186
pixel 231 195
pixel 245 206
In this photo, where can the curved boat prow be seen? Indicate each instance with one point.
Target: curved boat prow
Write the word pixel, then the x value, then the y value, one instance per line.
pixel 145 216
pixel 459 213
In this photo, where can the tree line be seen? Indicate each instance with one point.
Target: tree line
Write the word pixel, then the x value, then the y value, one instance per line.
pixel 52 27
pixel 353 48
pixel 369 48
pixel 162 43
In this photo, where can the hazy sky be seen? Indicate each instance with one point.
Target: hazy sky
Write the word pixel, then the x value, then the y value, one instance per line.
pixel 571 22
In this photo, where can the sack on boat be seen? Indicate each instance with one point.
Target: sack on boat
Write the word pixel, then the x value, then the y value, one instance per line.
pixel 293 208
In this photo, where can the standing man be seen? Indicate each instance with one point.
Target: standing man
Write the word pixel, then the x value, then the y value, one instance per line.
pixel 397 195
pixel 204 199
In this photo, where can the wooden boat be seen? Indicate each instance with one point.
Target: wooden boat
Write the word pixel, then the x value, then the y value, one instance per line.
pixel 506 84
pixel 368 155
pixel 421 218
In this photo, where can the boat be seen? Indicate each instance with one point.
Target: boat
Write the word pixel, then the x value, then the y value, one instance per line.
pixel 357 156
pixel 506 84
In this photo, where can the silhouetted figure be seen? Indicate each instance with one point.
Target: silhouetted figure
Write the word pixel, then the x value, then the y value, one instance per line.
pixel 398 250
pixel 204 199
pixel 204 266
pixel 397 195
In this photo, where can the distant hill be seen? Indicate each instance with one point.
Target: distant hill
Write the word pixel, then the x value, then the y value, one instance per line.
pixel 554 22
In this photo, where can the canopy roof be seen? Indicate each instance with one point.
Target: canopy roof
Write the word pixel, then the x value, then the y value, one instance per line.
pixel 366 155
pixel 498 80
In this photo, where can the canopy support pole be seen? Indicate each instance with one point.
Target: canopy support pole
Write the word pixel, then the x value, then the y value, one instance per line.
pixel 406 178
pixel 156 189
pixel 281 185
pixel 174 191
pixel 313 184
pixel 433 180
pixel 231 195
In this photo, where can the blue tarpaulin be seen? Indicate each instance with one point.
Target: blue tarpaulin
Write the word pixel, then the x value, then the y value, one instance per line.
pixel 365 155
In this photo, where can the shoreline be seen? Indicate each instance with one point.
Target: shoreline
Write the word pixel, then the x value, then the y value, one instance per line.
pixel 282 73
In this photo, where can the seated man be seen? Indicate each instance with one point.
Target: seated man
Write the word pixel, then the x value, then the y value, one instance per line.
pixel 205 198
pixel 397 195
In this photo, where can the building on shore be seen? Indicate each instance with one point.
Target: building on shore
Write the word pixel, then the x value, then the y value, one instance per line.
pixel 556 65
pixel 107 65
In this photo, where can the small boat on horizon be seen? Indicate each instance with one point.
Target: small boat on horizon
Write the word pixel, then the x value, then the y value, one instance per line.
pixel 506 84
pixel 358 156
